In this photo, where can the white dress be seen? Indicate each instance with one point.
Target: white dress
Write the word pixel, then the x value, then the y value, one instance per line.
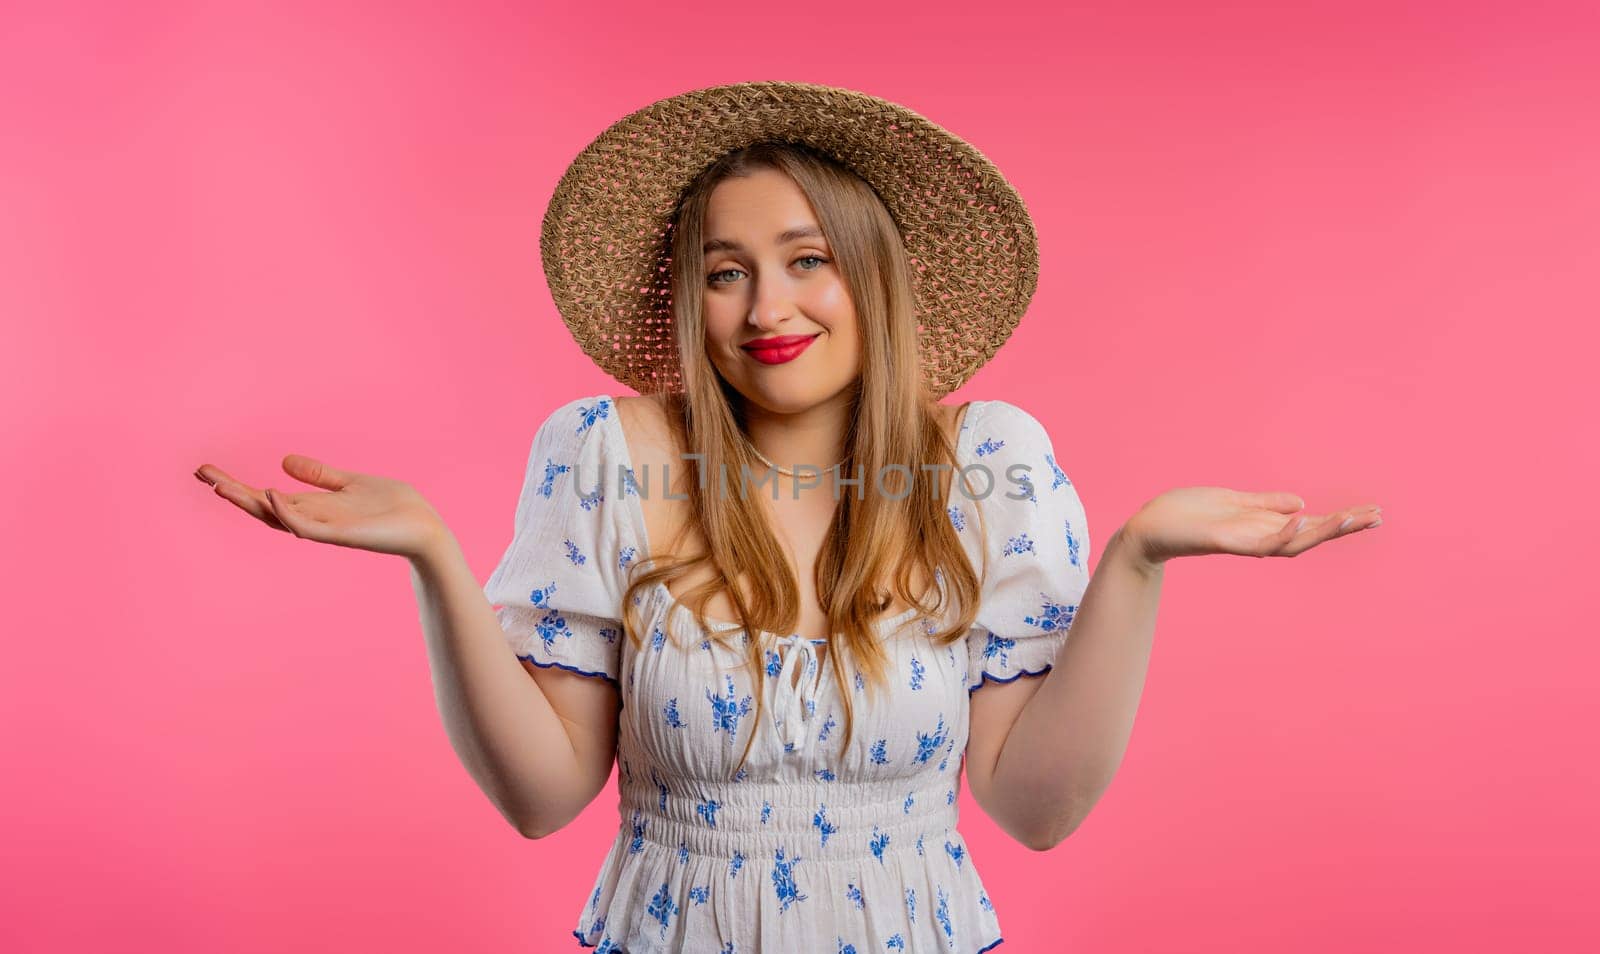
pixel 806 848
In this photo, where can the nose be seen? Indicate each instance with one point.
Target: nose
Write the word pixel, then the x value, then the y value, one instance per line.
pixel 771 305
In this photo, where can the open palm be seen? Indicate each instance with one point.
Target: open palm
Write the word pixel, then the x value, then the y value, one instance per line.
pixel 361 511
pixel 1190 521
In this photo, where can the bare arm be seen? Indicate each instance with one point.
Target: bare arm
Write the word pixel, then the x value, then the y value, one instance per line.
pixel 539 742
pixel 541 745
pixel 1043 749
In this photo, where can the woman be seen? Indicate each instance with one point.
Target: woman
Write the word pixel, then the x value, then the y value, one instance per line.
pixel 790 673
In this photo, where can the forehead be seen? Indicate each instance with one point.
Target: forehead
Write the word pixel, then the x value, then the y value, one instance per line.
pixel 756 207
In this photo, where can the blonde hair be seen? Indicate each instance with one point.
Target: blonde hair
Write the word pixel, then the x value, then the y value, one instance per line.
pixel 894 421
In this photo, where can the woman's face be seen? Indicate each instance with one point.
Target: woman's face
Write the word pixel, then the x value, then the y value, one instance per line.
pixel 769 274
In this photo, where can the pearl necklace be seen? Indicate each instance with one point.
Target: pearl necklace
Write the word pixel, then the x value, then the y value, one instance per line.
pixel 764 460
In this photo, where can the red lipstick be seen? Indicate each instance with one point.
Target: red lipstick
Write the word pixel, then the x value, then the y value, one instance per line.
pixel 779 349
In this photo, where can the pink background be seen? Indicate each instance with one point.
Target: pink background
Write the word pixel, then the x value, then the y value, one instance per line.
pixel 1347 250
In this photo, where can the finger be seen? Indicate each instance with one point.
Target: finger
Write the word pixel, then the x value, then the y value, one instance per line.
pixel 250 500
pixel 1279 500
pixel 291 510
pixel 1273 543
pixel 1290 540
pixel 1321 529
pixel 212 474
pixel 283 511
pixel 316 473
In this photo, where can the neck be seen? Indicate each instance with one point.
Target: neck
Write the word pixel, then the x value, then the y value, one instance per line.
pixel 811 437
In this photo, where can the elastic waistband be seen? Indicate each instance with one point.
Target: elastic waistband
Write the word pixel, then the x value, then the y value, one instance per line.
pixel 836 820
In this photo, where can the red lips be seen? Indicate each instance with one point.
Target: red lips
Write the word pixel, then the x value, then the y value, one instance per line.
pixel 777 341
pixel 778 349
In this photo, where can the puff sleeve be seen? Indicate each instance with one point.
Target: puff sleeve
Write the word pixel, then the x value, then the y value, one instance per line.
pixel 1036 539
pixel 558 589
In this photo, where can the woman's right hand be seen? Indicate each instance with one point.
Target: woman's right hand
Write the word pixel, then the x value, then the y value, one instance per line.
pixel 361 511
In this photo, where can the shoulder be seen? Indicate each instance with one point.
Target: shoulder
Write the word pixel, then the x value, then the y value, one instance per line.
pixel 999 413
pixel 646 423
pixel 643 416
pixel 578 417
pixel 578 430
pixel 953 418
pixel 997 425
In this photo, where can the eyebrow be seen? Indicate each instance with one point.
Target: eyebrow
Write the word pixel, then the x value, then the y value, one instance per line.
pixel 784 237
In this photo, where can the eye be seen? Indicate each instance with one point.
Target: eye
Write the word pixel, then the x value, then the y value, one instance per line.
pixel 812 258
pixel 712 278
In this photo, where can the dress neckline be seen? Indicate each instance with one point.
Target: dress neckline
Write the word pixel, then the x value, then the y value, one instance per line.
pixel 611 429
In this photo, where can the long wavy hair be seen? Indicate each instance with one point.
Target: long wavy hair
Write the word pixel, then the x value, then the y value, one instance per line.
pixel 864 557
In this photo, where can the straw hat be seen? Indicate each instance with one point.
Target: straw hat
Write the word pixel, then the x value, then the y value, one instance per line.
pixel 606 236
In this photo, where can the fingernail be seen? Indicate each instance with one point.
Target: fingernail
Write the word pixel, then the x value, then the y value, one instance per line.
pixel 1300 524
pixel 202 478
pixel 1375 522
pixel 1347 521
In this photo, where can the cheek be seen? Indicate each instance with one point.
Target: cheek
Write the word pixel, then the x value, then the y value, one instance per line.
pixel 722 326
pixel 831 303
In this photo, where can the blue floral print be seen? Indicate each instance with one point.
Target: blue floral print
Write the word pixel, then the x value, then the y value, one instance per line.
pixel 661 790
pixel 588 416
pixel 942 914
pixel 726 712
pixel 662 908
pixel 827 727
pixel 820 822
pixel 637 844
pixel 593 498
pixel 552 624
pixel 552 470
pixel 879 843
pixel 1025 489
pixel 751 801
pixel 1052 616
pixel 928 744
pixel 996 647
pixel 1060 479
pixel 1019 544
pixel 783 880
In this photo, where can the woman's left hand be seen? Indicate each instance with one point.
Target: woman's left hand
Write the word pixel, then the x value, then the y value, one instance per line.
pixel 1191 521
